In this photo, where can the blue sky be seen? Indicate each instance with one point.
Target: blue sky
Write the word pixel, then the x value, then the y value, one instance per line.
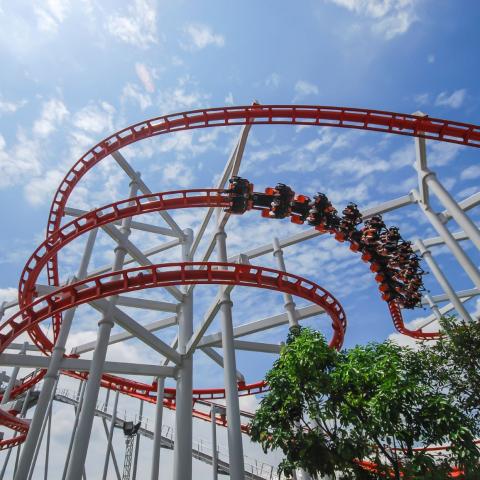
pixel 74 72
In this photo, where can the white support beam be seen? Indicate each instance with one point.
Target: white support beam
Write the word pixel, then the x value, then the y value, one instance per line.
pixel 261 325
pixel 231 169
pixel 218 359
pixel 121 337
pixel 137 330
pixel 137 254
pixel 465 205
pixel 123 301
pixel 144 227
pixel 253 346
pixel 434 241
pixel 443 311
pixel 207 320
pixel 156 305
pixel 470 293
pixel 120 159
pixel 83 365
pixel 129 260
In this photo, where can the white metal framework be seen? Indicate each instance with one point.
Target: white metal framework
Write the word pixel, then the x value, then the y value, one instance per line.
pixel 177 358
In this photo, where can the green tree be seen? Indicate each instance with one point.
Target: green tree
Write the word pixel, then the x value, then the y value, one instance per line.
pixel 327 411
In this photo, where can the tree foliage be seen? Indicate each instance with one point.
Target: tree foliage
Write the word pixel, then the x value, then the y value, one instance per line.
pixel 380 403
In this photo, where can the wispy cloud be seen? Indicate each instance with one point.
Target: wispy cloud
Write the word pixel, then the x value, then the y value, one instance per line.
pixel 132 92
pixel 9 106
pixel 95 118
pixel 53 114
pixel 146 76
pixel 199 36
pixel 304 89
pixel 389 18
pixel 470 173
pixel 50 14
pixel 453 100
pixel 137 26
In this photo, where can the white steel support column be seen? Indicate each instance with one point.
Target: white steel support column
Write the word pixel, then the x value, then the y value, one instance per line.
pixel 157 432
pixel 82 436
pixel 213 420
pixel 442 280
pixel 182 457
pixel 51 376
pixel 137 444
pixel 47 447
pixel 42 431
pixel 110 435
pixel 454 209
pixel 235 446
pixel 433 306
pixel 466 263
pixel 429 181
pixel 78 409
pixel 289 303
pixel 292 322
pixel 13 378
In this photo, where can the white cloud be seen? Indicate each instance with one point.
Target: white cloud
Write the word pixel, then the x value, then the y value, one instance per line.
pixel 177 174
pixel 183 96
pixel 421 98
pixel 201 36
pixel 431 58
pixel 273 80
pixel 146 76
pixel 470 173
pixel 50 14
pixel 390 17
pixel 95 118
pixel 303 89
pixel 19 161
pixel 454 100
pixel 442 153
pixel 229 99
pixel 53 114
pixel 137 26
pixel 132 92
pixel 8 294
pixel 7 106
pixel 40 190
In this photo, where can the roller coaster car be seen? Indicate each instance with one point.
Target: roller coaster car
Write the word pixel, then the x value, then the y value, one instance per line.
pixel 352 214
pixel 281 204
pixel 300 209
pixel 320 209
pixel 240 193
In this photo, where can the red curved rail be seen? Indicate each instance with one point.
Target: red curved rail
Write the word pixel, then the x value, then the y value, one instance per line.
pixel 342 117
pixel 168 274
pixel 374 120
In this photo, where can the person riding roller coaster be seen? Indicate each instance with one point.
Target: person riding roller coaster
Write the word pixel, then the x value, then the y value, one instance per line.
pixel 322 213
pixel 347 226
pixel 281 205
pixel 240 193
pixel 393 260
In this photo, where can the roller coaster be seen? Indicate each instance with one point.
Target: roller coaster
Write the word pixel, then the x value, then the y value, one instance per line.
pixel 394 262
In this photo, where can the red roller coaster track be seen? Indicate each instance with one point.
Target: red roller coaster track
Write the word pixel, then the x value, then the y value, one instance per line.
pixel 34 310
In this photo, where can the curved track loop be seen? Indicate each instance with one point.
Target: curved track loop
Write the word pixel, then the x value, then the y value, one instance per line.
pixel 363 119
pixel 374 120
pixel 168 274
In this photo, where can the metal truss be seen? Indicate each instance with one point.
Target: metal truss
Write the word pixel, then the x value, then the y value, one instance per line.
pixel 108 289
